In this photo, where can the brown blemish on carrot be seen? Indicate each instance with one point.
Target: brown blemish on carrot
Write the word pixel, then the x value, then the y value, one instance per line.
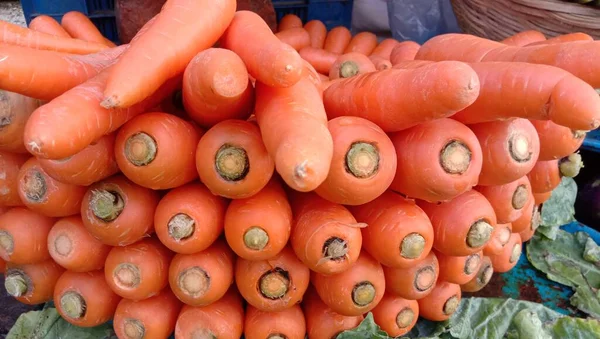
pixel 140 149
pixel 362 160
pixel 181 226
pixel 232 163
pixel 412 246
pixel 133 329
pixel 472 263
pixel 451 305
pixel 349 69
pixel 106 205
pixel 363 293
pixel 479 234
pixel 520 197
pixel 571 165
pixel 194 282
pixel 73 305
pixel 405 317
pixel 17 283
pixel 274 284
pixel 424 279
pixel 515 254
pixel 455 157
pixel 255 238
pixel 127 276
pixel 6 244
pixel 34 186
pixel 519 148
pixel 63 245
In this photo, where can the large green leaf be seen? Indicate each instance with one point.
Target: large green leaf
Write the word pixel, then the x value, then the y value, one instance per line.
pixel 559 209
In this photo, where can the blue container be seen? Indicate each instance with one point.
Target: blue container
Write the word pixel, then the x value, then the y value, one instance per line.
pixel 592 141
pixel 332 12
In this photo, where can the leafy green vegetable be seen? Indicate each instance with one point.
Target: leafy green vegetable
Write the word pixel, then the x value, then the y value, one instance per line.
pixel 559 209
pixel 367 329
pixel 587 299
pixel 529 325
pixel 591 252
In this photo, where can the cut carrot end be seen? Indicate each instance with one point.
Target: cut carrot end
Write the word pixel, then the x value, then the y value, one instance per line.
pixel 73 305
pixel 6 113
pixel 16 284
pixel 504 235
pixel 455 157
pixel 412 246
pixel 451 305
pixel 181 226
pixel 274 284
pixel 127 276
pixel 479 234
pixel 255 238
pixel 520 197
pixel 363 293
pixel 362 160
pixel 485 276
pixel 424 279
pixel 515 254
pixel 133 329
pixel 579 134
pixel 34 187
pixel 536 219
pixel 472 263
pixel 277 336
pixel 335 248
pixel 519 148
pixel 110 102
pixel 63 245
pixel 194 282
pixel 349 69
pixel 232 163
pixel 571 165
pixel 106 205
pixel 7 245
pixel 140 149
pixel 203 333
pixel 405 317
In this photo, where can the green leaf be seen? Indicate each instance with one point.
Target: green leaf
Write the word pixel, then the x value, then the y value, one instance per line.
pixel 591 252
pixel 367 329
pixel 549 232
pixel 528 325
pixel 586 299
pixel 576 328
pixel 559 209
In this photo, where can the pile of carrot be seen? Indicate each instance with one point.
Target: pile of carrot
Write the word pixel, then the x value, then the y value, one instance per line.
pixel 281 184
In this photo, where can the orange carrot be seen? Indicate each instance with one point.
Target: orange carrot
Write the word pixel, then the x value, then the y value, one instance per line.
pixel 441 303
pixel 154 317
pixel 414 282
pixel 270 61
pixel 337 40
pixel 458 270
pixel 508 200
pixel 437 160
pixel 23 236
pixel 296 37
pixel 363 43
pixel 320 59
pixel 463 225
pixel 546 175
pixel 138 271
pixel 47 24
pixel 32 284
pixel 15 109
pixel 578 36
pixel 481 279
pixel 524 38
pixel 289 323
pixel 173 104
pixel 397 99
pixel 118 212
pixel 258 228
pixel 275 284
pixel 527 234
pixel 380 62
pixel 79 26
pixel 384 49
pixel 541 198
pixel 74 248
pixel 312 75
pixel 510 150
pixel 289 21
pixel 509 256
pixel 529 220
pixel 85 299
pixel 475 49
pixel 321 321
pixel 10 164
pixel 216 87
pixel 557 141
pixel 498 240
pixel 351 64
pixel 396 315
pixel 43 194
pixel 399 234
pixel 222 319
pixel 404 51
pixel 317 31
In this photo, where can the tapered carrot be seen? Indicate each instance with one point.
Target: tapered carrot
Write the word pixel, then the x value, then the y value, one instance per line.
pixel 15 109
pixel 577 36
pixel 275 284
pixel 337 40
pixel 380 62
pixel 79 26
pixel 397 99
pixel 232 160
pixel 204 277
pixel 541 198
pixel 270 61
pixel 557 141
pixel 524 38
pixel 529 220
pixel 317 31
pixel 43 194
pixel 481 279
pixel 289 21
pixel 404 51
pixel 508 258
pixel 363 43
pixel 463 225
pixel 222 319
pixel 351 64
pixel 289 323
pixel 85 299
pixel 296 37
pixel 510 150
pixel 443 47
pixel 118 212
pixel 384 49
pixel 498 240
pixel 396 315
pixel 216 87
pixel 321 321
pixel 10 164
pixel 437 160
pixel 258 228
pixel 399 234
pixel 458 270
pixel 154 317
pixel 545 176
pixel 47 24
pixel 414 282
pixel 508 200
pixel 74 248
pixel 32 283
pixel 441 303
pixel 320 59
pixel 23 236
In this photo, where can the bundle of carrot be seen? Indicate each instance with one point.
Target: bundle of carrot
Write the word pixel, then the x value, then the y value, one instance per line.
pixel 280 184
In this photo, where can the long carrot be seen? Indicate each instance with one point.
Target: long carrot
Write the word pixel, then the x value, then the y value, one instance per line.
pixel 363 43
pixel 216 87
pixel 118 212
pixel 47 24
pixel 296 37
pixel 337 40
pixel 404 51
pixel 546 175
pixel 384 49
pixel 396 315
pixel 413 282
pixel 498 240
pixel 441 303
pixel 509 256
pixel 74 248
pixel 380 62
pixel 23 236
pixel 481 279
pixel 85 299
pixel 43 194
pixel 15 109
pixel 541 198
pixel 317 31
pixel 399 234
pixel 204 277
pixel 289 323
pixel 529 220
pixel 275 284
pixel 154 317
pixel 557 141
pixel 259 227
pixel 437 160
pixel 289 21
pixel 458 270
pixel 508 200
pixel 510 150
pixel 32 283
pixel 320 59
pixel 524 38
pixel 577 36
pixel 321 321
pixel 351 64
pixel 397 99
pixel 79 26
pixel 10 164
pixel 222 319
pixel 463 225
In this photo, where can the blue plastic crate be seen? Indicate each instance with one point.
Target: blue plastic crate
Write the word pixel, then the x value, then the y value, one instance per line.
pixel 332 12
pixel 592 141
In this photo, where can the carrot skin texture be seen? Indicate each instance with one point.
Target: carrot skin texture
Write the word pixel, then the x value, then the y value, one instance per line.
pixel 47 24
pixel 296 37
pixel 363 43
pixel 458 270
pixel 79 26
pixel 10 164
pixel 320 59
pixel 577 36
pixel 321 321
pixel 15 109
pixel 24 234
pixel 289 322
pixel 524 38
pixel 415 282
pixel 337 40
pixel 545 176
pixel 317 31
pixel 508 200
pixel 289 21
pixel 441 303
pixel 556 141
pixel 386 314
pixel 40 280
pixel 509 256
pixel 357 62
pixel 384 49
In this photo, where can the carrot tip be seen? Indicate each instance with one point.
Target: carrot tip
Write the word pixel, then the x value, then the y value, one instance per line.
pixel 255 238
pixel 405 317
pixel 520 197
pixel 579 134
pixel 7 245
pixel 455 157
pixel 519 148
pixel 335 249
pixel 348 69
pixel 194 282
pixel 34 186
pixel 472 263
pixel 110 102
pixel 479 234
pixel 73 305
pixel 363 293
pixel 412 246
pixel 425 279
pixel 362 160
pixel 181 226
pixel 571 165
pixel 16 284
pixel 106 205
pixel 451 305
pixel 63 245
pixel 274 284
pixel 140 149
pixel 134 329
pixel 232 163
pixel 127 276
pixel 515 254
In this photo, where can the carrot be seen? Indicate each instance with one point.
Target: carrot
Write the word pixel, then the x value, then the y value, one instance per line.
pixel 32 284
pixel 384 49
pixel 222 319
pixel 154 317
pixel 296 37
pixel 509 256
pixel 216 87
pixel 298 140
pixel 118 212
pixel 15 109
pixel 577 36
pixel 396 315
pixel 474 49
pixel 2 265
pixel 527 234
pixel 557 141
pixel 272 285
pixel 43 194
pixel 546 175
pixel 317 31
pixel 481 279
pixel 380 62
pixel 510 149
pixel 524 38
pixel 404 51
pixel 498 240
pixel 289 323
pixel 541 198
pixel 204 277
pixel 74 248
pixel 437 160
pixel 463 225
pixel 138 271
pixel 458 270
pixel 363 43
pixel 351 64
pixel 173 104
pixel 508 200
pixel 79 26
pixel 530 220
pixel 441 303
pixel 337 40
pixel 23 236
pixel 85 299
pixel 47 24
pixel 289 21
pixel 135 76
pixel 258 228
pixel 10 164
pixel 321 321
pixel 403 98
pixel 320 59
pixel 414 282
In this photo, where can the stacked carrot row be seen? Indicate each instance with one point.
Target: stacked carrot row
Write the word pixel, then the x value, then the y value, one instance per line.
pixel 279 185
